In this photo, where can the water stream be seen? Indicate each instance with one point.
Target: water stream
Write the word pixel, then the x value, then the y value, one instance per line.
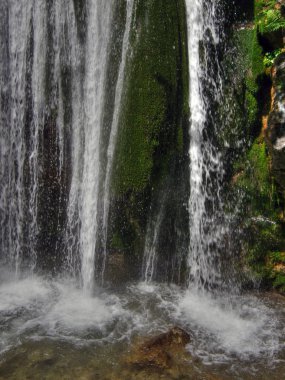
pixel 206 162
pixel 56 318
pixel 83 197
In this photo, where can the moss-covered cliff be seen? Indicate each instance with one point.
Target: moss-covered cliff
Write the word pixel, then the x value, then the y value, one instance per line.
pixel 151 158
pixel 256 180
pixel 153 131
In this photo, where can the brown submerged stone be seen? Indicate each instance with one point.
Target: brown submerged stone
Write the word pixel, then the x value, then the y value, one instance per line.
pixel 159 351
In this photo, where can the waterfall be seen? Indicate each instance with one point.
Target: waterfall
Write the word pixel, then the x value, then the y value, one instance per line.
pixel 151 244
pixel 53 75
pixel 206 165
pixel 23 50
pixel 86 142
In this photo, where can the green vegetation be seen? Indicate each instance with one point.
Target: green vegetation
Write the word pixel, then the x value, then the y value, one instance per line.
pixel 154 118
pixel 277 270
pixel 255 181
pixel 156 94
pixel 252 73
pixel 261 213
pixel 268 16
pixel 270 57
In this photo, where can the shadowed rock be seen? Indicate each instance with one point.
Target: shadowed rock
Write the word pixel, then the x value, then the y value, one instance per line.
pixel 276 123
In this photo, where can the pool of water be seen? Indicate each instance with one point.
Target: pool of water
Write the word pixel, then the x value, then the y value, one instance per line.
pixel 50 329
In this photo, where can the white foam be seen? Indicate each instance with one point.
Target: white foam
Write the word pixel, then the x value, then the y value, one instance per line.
pixel 280 143
pixel 58 308
pixel 223 328
pixel 77 311
pixel 242 325
pixel 22 294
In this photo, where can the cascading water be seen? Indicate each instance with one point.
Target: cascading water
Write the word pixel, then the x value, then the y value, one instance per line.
pixel 151 245
pixel 22 108
pixel 53 82
pixel 209 304
pixel 83 198
pixel 206 166
pixel 207 224
pixel 57 160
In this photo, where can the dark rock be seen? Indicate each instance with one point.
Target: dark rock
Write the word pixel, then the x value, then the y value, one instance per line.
pixel 275 132
pixel 118 270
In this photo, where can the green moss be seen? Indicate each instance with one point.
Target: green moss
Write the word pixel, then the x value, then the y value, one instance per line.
pixel 251 107
pixel 259 168
pixel 279 282
pixel 252 64
pixel 277 257
pixel 270 57
pixel 264 234
pixel 149 119
pixel 255 180
pixel 254 184
pixel 276 269
pixel 117 242
pixel 268 16
pixel 252 53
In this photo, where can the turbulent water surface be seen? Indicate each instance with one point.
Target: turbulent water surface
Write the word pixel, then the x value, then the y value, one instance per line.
pixel 45 321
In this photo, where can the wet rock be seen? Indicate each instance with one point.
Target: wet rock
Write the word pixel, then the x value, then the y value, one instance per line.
pixel 117 271
pixel 275 132
pixel 159 351
pixel 163 357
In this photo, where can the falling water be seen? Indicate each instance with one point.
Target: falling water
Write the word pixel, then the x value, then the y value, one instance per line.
pixel 151 244
pixel 53 83
pixel 83 197
pixel 22 106
pixel 53 71
pixel 206 168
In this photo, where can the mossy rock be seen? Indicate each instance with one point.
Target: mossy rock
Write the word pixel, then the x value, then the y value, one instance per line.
pixel 250 64
pixel 155 82
pixel 263 227
pixel 153 127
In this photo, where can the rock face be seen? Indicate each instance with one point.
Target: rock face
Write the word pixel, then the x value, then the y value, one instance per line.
pixel 276 123
pixel 159 351
pixel 152 143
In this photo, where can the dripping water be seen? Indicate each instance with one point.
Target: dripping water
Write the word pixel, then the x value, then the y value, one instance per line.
pixel 114 127
pixel 150 255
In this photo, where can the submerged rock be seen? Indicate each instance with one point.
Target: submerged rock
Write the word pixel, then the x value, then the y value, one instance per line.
pixel 159 351
pixel 163 357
